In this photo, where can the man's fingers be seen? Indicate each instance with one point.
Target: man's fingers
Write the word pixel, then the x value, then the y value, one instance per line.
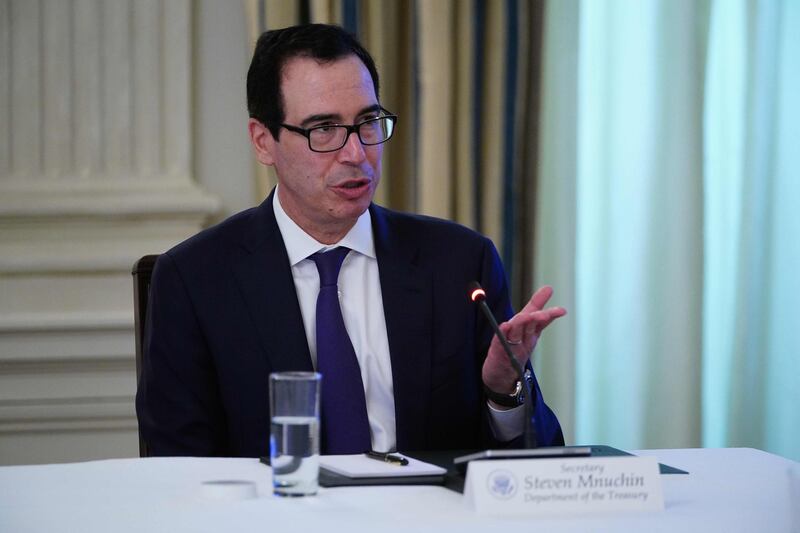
pixel 524 325
pixel 542 296
pixel 541 316
pixel 506 328
pixel 539 299
pixel 541 325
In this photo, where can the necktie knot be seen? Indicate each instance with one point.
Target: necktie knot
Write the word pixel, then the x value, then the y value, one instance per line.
pixel 328 265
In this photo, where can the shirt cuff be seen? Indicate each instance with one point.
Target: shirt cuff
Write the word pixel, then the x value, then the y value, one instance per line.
pixel 506 424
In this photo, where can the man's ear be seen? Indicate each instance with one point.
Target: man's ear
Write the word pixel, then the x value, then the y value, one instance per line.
pixel 263 142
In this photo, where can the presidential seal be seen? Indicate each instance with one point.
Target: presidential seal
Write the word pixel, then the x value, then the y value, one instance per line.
pixel 502 484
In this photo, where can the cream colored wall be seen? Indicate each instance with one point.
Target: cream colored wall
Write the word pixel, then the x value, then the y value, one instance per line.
pixel 223 161
pixel 122 132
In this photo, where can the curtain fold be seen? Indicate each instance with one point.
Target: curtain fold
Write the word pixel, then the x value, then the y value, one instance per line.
pixel 639 224
pixel 436 42
pixel 751 347
pixel 555 206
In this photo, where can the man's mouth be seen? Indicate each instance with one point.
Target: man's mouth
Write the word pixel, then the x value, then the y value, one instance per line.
pixel 354 183
pixel 352 189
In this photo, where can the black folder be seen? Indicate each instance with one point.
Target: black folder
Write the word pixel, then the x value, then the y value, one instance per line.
pixel 453 479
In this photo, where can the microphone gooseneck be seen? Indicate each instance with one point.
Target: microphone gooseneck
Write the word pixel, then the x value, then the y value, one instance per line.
pixel 478 295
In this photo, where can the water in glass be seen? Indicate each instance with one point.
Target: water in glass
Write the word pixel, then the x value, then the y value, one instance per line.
pixel 294 443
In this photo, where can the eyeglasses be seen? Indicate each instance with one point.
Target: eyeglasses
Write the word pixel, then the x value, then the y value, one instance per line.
pixel 332 137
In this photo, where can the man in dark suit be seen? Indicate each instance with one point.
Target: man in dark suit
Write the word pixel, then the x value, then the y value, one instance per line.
pixel 237 301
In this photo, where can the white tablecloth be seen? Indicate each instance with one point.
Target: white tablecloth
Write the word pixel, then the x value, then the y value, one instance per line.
pixel 727 490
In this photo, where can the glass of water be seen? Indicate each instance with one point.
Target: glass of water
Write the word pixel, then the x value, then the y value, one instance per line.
pixel 294 433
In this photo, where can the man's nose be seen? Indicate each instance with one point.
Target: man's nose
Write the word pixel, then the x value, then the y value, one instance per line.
pixel 353 150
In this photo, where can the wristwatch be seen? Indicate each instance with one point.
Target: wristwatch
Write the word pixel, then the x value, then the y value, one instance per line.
pixel 516 398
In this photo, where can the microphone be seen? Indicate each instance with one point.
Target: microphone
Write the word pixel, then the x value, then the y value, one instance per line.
pixel 478 295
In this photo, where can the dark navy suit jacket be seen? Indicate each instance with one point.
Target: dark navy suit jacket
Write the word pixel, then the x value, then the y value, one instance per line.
pixel 223 314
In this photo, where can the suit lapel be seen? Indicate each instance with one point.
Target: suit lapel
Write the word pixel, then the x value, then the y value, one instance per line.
pixel 407 304
pixel 264 277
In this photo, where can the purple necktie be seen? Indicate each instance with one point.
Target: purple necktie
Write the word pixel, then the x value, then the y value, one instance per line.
pixel 345 426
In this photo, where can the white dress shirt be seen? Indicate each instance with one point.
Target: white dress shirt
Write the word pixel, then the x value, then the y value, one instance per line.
pixel 362 309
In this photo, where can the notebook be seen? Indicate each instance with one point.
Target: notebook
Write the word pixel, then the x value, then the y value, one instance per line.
pixel 360 466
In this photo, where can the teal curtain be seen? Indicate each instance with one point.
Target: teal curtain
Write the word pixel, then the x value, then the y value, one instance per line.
pixel 751 371
pixel 668 218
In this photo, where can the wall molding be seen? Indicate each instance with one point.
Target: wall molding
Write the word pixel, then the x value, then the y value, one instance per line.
pixel 96 170
pixel 85 322
pixel 67 414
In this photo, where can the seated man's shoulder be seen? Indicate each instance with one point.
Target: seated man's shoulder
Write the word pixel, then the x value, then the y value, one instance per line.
pixel 424 227
pixel 216 241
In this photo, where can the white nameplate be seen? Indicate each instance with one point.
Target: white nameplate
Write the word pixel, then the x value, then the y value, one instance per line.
pixel 573 485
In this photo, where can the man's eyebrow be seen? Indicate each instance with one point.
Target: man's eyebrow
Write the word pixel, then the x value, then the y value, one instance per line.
pixel 374 108
pixel 332 117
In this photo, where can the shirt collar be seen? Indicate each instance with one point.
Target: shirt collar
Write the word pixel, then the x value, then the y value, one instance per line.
pixel 300 245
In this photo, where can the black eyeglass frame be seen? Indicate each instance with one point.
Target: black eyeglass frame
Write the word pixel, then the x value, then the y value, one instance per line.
pixel 351 128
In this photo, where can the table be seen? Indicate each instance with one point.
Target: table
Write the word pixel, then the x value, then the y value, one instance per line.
pixel 731 489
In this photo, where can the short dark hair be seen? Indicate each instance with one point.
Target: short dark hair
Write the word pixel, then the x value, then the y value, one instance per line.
pixel 323 42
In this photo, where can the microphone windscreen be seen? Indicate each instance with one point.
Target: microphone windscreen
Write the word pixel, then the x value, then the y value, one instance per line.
pixel 476 292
